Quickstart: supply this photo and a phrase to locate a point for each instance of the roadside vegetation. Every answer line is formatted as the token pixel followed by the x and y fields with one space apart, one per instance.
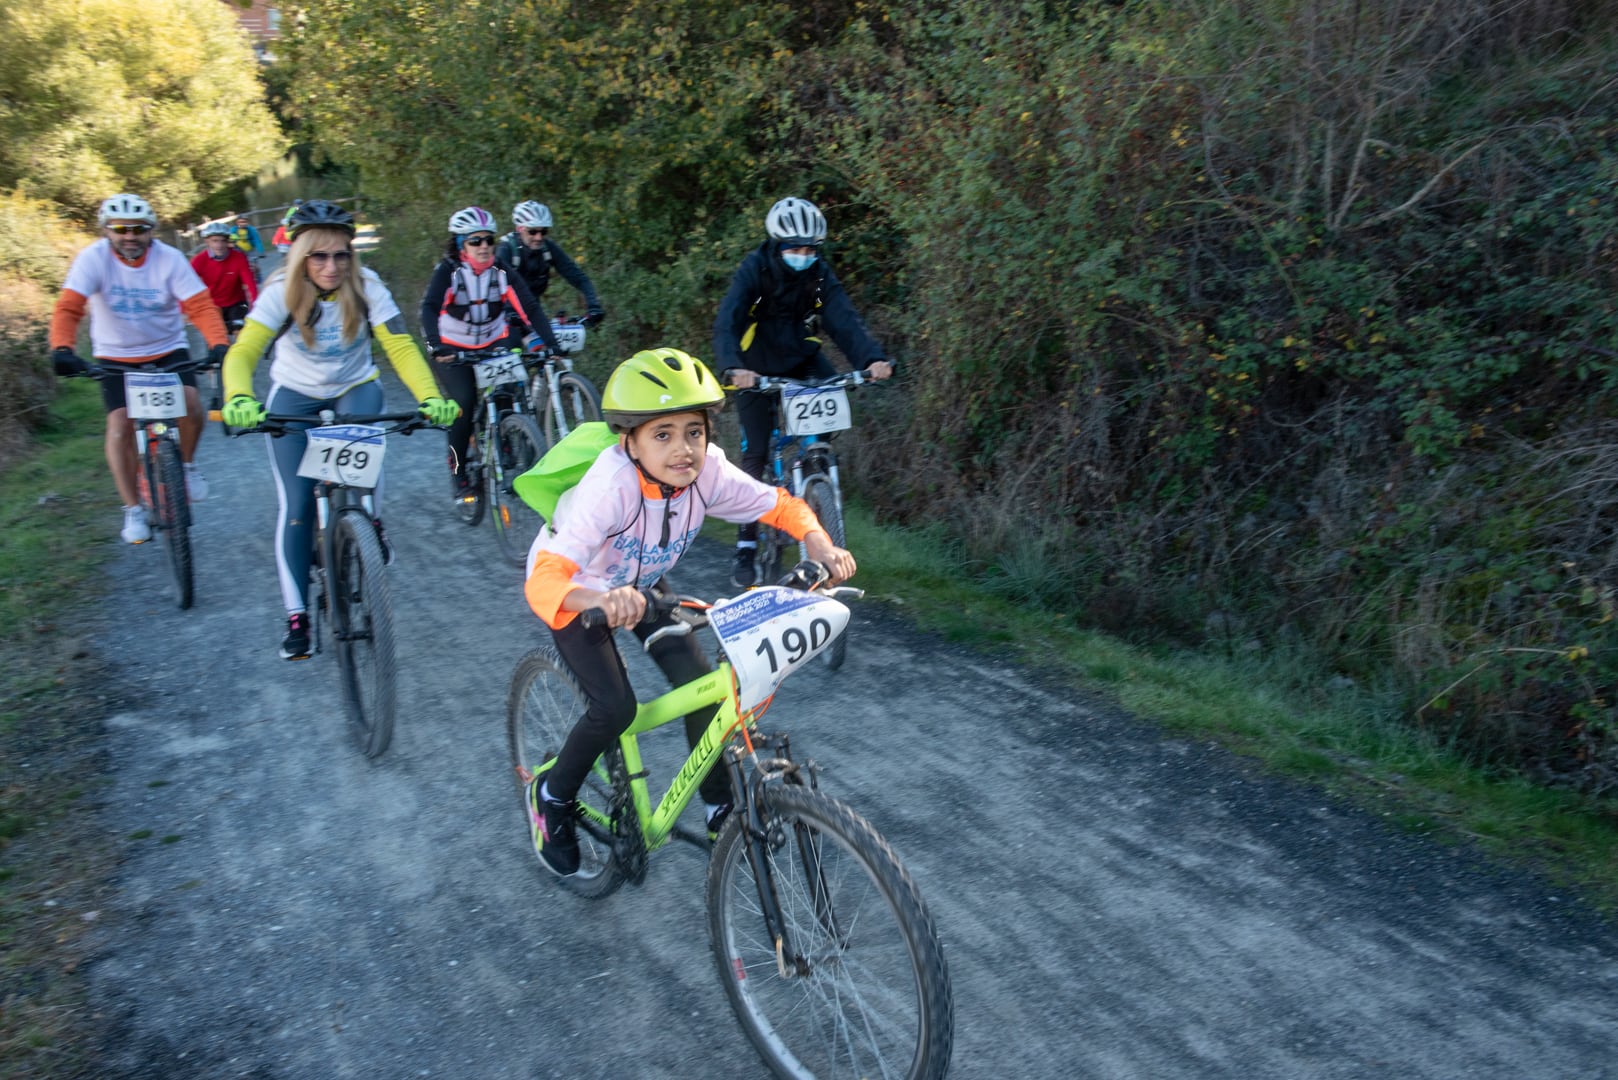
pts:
pixel 1284 327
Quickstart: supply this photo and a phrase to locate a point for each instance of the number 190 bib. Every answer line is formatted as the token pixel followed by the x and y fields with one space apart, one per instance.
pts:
pixel 769 633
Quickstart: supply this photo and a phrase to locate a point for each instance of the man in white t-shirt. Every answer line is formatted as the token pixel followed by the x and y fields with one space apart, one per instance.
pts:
pixel 138 292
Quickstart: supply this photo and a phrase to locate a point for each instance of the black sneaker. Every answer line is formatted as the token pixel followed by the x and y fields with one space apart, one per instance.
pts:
pixel 295 646
pixel 382 538
pixel 554 828
pixel 716 819
pixel 743 572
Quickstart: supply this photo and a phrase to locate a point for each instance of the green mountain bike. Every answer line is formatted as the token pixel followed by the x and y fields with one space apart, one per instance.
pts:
pixel 822 941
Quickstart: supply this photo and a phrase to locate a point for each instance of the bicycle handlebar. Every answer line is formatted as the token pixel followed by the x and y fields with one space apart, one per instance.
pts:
pixel 807 576
pixel 778 382
pixel 95 371
pixel 278 424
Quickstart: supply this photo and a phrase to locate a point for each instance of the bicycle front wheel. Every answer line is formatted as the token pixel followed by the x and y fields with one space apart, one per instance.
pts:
pixel 171 508
pixel 470 507
pixel 853 981
pixel 362 629
pixel 543 704
pixel 579 403
pixel 821 496
pixel 518 445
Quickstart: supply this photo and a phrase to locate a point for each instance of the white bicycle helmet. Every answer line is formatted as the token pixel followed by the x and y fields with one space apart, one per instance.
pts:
pixel 126 208
pixel 474 219
pixel 216 228
pixel 796 221
pixel 531 215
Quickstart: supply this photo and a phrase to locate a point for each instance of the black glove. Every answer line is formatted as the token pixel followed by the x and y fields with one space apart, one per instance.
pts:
pixel 65 361
pixel 593 318
pixel 440 349
pixel 216 355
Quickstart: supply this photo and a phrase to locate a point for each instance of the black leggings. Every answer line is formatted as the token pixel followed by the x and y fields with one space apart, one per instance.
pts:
pixel 593 657
pixel 756 414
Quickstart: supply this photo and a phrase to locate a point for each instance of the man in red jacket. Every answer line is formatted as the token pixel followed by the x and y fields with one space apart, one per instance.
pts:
pixel 227 273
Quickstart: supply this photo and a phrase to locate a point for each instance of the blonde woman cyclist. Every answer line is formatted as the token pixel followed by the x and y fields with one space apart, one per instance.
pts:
pixel 318 314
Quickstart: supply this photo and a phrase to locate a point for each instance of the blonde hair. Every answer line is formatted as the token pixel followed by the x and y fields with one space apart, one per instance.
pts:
pixel 302 296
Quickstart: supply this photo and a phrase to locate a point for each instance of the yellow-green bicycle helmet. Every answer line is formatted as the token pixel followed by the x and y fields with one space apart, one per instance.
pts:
pixel 657 382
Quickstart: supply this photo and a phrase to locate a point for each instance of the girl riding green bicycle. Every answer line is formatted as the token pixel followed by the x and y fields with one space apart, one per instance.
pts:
pixel 625 524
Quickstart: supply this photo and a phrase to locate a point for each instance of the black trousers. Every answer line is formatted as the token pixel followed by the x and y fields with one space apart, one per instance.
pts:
pixel 593 657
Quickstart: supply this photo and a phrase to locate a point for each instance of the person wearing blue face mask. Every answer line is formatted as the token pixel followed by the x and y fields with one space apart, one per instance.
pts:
pixel 769 323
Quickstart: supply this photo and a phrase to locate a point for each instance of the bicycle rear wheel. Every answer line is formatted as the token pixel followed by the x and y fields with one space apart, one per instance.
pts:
pixel 581 403
pixel 821 496
pixel 542 706
pixel 171 507
pixel 859 986
pixel 518 444
pixel 362 629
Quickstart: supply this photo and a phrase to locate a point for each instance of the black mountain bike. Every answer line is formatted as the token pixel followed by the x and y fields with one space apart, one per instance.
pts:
pixel 348 570
pixel 506 442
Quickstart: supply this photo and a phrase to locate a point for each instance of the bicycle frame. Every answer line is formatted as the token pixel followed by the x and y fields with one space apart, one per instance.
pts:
pixel 658 823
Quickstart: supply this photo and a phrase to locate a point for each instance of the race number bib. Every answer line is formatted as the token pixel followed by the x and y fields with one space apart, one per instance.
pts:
pixel 348 454
pixel 814 412
pixel 158 395
pixel 570 336
pixel 769 633
pixel 502 369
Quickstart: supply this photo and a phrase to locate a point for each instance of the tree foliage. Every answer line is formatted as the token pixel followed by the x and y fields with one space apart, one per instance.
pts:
pixel 160 98
pixel 1295 316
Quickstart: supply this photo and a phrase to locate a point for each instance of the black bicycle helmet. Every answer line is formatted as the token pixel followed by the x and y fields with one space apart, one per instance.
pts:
pixel 327 215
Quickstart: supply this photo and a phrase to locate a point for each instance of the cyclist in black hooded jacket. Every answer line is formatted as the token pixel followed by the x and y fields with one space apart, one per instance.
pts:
pixel 769 323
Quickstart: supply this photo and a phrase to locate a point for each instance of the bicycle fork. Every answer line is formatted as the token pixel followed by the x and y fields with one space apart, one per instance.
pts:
pixel 763 835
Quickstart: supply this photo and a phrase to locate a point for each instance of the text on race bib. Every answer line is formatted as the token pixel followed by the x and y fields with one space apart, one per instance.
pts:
pixel 157 395
pixel 810 411
pixel 349 454
pixel 504 368
pixel 570 336
pixel 769 633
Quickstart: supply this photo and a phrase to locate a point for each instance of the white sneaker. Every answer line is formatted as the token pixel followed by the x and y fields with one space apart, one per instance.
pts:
pixel 196 485
pixel 135 530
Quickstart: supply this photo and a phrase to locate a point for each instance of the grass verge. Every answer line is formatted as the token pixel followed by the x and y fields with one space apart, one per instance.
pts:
pixel 1344 738
pixel 55 869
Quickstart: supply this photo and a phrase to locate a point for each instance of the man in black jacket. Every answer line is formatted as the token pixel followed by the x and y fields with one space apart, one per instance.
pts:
pixel 530 251
pixel 783 293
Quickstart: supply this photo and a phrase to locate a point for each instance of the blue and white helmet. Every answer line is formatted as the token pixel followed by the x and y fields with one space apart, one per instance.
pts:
pixel 531 215
pixel 126 208
pixel 797 222
pixel 216 228
pixel 473 219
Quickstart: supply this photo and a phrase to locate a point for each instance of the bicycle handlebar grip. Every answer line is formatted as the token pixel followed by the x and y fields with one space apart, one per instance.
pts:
pixel 657 605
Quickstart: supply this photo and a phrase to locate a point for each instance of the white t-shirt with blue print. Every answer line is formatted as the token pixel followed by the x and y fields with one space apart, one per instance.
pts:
pixel 333 366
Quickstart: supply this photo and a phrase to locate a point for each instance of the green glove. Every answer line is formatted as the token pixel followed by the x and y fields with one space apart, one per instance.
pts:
pixel 242 411
pixel 441 411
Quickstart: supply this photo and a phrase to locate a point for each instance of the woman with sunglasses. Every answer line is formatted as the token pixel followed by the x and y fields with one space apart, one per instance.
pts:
pixel 318 313
pixel 475 304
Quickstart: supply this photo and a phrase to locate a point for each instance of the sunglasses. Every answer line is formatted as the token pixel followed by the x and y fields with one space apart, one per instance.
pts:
pixel 322 257
pixel 478 241
pixel 126 230
pixel 536 232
